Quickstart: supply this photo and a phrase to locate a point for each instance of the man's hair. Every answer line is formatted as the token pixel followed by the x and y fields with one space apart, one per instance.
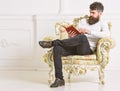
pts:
pixel 97 6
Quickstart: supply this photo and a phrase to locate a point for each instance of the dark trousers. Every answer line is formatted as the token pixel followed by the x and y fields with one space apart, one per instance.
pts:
pixel 77 45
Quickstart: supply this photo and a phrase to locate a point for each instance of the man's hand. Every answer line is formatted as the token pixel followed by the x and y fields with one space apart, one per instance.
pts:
pixel 71 34
pixel 81 31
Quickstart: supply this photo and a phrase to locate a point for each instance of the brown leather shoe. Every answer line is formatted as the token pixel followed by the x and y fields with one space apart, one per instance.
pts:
pixel 45 44
pixel 58 82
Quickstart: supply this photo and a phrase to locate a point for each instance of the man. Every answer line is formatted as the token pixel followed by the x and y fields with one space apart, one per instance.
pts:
pixel 91 30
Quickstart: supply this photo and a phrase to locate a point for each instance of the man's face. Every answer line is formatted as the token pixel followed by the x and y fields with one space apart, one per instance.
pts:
pixel 94 16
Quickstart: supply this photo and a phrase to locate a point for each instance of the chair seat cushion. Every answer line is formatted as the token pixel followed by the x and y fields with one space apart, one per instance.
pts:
pixel 80 62
pixel 77 59
pixel 73 59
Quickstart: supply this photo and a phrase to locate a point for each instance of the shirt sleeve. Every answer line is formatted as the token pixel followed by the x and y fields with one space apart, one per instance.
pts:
pixel 105 32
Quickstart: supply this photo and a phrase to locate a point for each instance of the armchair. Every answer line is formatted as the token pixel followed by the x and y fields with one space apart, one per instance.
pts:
pixel 78 64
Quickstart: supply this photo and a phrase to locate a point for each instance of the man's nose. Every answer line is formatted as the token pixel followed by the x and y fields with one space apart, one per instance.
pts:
pixel 91 14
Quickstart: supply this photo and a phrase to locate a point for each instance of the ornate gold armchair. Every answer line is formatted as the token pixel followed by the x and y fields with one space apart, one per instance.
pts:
pixel 78 64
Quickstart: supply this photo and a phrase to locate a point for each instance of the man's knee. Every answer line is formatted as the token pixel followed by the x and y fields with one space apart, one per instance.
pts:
pixel 82 37
pixel 56 42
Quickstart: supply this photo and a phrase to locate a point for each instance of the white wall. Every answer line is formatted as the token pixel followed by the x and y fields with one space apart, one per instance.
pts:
pixel 24 22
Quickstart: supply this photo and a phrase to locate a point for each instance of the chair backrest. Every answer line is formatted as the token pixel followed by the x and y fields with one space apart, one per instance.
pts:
pixel 110 25
pixel 75 23
pixel 76 20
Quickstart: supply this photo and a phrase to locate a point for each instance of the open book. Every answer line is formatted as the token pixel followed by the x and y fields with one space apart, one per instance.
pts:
pixel 72 31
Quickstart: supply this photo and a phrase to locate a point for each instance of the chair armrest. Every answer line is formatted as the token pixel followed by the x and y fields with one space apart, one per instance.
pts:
pixel 48 57
pixel 103 47
pixel 61 31
pixel 49 38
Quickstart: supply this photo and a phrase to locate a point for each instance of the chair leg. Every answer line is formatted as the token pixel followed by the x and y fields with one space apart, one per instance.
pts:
pixel 101 75
pixel 51 77
pixel 69 77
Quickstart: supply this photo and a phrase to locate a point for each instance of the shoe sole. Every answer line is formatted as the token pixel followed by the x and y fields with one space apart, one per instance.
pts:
pixel 58 85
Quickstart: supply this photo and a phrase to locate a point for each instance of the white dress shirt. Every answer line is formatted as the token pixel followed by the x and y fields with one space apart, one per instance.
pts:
pixel 97 31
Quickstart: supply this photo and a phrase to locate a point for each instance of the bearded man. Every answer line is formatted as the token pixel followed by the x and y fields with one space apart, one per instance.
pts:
pixel 91 29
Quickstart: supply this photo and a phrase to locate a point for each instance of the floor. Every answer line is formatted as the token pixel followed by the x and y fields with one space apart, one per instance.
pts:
pixel 38 81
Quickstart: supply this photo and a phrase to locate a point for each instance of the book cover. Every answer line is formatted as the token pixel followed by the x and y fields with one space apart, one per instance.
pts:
pixel 72 31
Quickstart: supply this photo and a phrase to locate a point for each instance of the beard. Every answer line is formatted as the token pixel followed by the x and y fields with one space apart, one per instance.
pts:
pixel 92 20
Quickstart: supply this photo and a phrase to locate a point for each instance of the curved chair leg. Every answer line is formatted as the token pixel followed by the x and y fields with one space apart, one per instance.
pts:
pixel 51 77
pixel 101 75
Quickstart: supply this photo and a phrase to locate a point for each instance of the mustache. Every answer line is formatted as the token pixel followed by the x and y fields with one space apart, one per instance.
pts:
pixel 93 20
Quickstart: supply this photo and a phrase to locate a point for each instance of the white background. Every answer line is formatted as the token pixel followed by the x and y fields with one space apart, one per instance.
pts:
pixel 24 22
